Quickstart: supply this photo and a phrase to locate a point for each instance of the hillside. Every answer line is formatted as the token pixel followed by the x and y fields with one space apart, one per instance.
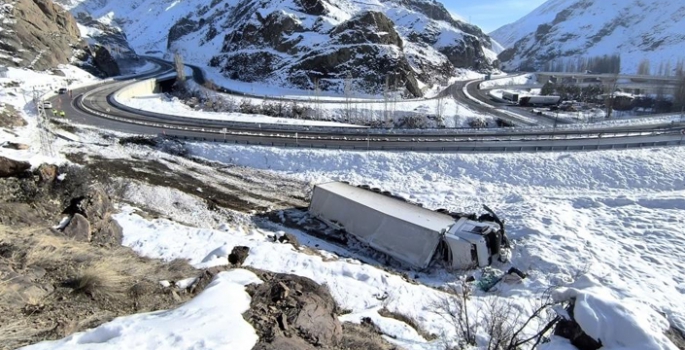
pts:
pixel 303 43
pixel 562 29
pixel 37 34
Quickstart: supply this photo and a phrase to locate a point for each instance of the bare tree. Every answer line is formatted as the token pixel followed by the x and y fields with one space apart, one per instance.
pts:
pixel 611 86
pixel 440 105
pixel 644 68
pixel 386 98
pixel 348 97
pixel 506 327
pixel 317 96
pixel 180 68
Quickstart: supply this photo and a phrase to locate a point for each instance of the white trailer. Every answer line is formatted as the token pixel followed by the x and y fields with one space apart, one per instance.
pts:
pixel 404 231
pixel 539 100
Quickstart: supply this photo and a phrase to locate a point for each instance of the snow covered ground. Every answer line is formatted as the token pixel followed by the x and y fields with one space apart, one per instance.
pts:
pixel 617 213
pixel 614 218
pixel 454 113
pixel 524 79
pixel 159 103
pixel 217 309
pixel 17 90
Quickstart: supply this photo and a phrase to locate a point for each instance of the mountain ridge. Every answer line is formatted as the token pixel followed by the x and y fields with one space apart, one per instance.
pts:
pixel 567 29
pixel 407 44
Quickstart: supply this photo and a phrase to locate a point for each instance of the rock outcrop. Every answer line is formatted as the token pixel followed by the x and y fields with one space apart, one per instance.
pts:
pixel 558 34
pixel 11 168
pixel 104 61
pixel 78 228
pixel 37 34
pixel 294 312
pixel 311 45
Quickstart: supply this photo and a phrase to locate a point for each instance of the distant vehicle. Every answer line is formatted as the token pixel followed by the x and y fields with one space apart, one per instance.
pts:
pixel 539 100
pixel 47 105
pixel 510 96
pixel 62 91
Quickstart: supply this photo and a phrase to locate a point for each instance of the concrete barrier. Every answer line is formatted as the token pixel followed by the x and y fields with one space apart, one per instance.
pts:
pixel 140 88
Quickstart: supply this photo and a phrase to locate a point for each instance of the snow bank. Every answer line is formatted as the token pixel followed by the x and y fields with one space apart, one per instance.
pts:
pixel 157 103
pixel 212 320
pixel 617 324
pixel 525 79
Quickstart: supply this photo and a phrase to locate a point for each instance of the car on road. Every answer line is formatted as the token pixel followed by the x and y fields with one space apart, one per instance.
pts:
pixel 62 91
pixel 47 105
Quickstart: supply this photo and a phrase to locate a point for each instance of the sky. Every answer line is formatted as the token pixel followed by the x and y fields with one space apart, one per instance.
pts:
pixel 491 14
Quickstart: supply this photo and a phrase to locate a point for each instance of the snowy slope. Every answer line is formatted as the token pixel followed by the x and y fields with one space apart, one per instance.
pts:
pixel 509 34
pixel 616 214
pixel 634 29
pixel 282 41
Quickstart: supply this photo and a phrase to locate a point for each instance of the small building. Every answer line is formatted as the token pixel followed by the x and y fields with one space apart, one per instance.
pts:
pixel 409 233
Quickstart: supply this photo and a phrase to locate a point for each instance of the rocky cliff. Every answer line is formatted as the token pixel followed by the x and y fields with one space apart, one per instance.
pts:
pixel 372 45
pixel 378 46
pixel 40 34
pixel 37 34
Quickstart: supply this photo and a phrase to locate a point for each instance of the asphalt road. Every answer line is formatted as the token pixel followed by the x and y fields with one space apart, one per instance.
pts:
pixel 95 109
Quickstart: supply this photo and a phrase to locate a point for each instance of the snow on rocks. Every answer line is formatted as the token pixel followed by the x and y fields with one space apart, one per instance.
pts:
pixel 212 320
pixel 616 324
pixel 351 283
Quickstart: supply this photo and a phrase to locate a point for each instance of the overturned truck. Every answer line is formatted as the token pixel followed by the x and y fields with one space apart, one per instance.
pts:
pixel 408 232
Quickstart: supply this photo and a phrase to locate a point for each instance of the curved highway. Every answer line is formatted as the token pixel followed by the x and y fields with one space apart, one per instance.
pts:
pixel 94 105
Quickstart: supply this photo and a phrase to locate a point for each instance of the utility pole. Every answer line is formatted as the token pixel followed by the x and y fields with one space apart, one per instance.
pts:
pixel 45 142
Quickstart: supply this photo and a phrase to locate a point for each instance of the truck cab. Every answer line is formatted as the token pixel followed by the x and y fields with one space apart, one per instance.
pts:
pixel 472 243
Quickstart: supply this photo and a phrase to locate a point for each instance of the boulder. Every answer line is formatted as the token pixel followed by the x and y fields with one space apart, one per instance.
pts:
pixel 289 238
pixel 289 306
pixel 107 232
pixel 16 146
pixel 238 255
pixel 47 172
pixel 78 228
pixel 12 168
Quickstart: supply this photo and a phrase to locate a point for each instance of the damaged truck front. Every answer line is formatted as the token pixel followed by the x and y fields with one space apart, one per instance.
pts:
pixel 407 232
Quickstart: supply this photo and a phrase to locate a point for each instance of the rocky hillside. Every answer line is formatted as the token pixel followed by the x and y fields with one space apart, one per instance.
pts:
pixel 563 29
pixel 303 43
pixel 36 33
pixel 40 34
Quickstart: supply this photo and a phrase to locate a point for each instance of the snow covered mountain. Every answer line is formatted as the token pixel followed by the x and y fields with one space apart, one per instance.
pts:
pixel 562 29
pixel 303 43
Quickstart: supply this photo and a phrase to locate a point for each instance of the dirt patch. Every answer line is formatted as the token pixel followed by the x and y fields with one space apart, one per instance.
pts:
pixel 365 335
pixel 230 192
pixel 10 117
pixel 409 321
pixel 51 284
pixel 63 125
pixel 294 312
